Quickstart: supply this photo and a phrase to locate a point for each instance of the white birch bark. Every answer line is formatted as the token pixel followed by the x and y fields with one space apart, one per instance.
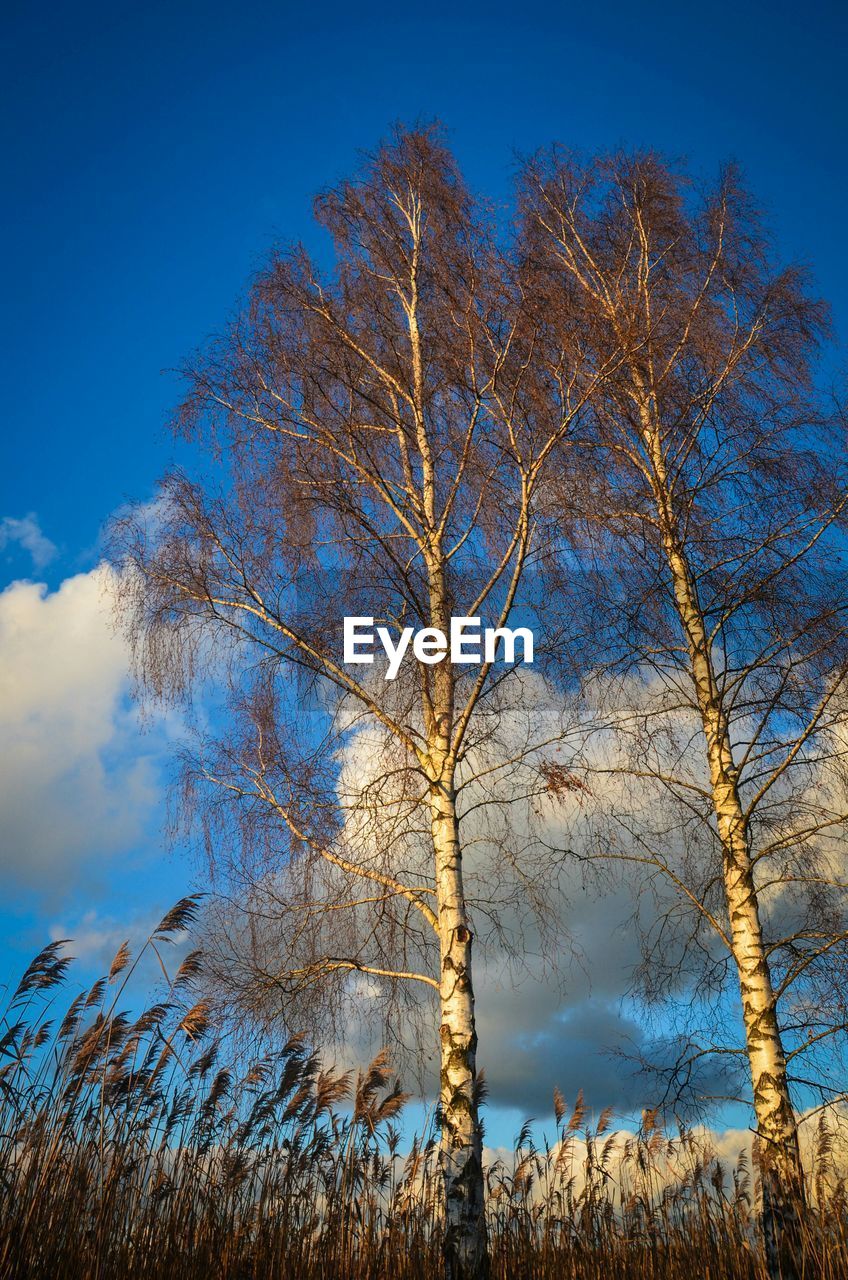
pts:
pixel 461 1150
pixel 779 1156
pixel 461 1140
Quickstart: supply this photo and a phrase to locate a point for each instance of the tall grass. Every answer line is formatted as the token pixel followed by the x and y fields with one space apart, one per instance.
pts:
pixel 128 1148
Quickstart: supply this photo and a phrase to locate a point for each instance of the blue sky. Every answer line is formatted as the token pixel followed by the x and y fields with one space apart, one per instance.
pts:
pixel 152 154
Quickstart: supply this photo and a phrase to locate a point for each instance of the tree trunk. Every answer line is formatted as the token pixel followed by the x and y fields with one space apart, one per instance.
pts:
pixel 780 1166
pixel 466 1255
pixel 779 1156
pixel 781 1171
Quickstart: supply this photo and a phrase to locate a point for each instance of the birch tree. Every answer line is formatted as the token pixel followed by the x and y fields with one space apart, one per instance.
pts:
pixel 376 438
pixel 718 520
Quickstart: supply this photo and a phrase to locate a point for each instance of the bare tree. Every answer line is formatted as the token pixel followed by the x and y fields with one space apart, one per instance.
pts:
pixel 719 484
pixel 377 440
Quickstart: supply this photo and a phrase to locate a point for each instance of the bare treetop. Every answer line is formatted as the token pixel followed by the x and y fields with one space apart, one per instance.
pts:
pixel 383 434
pixel 719 510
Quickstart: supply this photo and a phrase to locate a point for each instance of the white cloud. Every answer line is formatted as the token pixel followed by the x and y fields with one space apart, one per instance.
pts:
pixel 78 783
pixel 556 1007
pixel 94 938
pixel 552 1007
pixel 544 1018
pixel 635 1164
pixel 27 533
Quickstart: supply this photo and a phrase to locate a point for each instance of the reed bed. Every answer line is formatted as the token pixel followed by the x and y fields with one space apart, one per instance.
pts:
pixel 129 1147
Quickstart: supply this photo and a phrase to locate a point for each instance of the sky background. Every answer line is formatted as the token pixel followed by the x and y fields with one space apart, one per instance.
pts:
pixel 152 155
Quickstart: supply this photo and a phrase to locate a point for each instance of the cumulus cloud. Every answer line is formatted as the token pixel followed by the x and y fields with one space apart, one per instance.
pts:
pixel 94 938
pixel 558 1001
pixel 549 978
pixel 636 1165
pixel 78 783
pixel 26 532
pixel 552 983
